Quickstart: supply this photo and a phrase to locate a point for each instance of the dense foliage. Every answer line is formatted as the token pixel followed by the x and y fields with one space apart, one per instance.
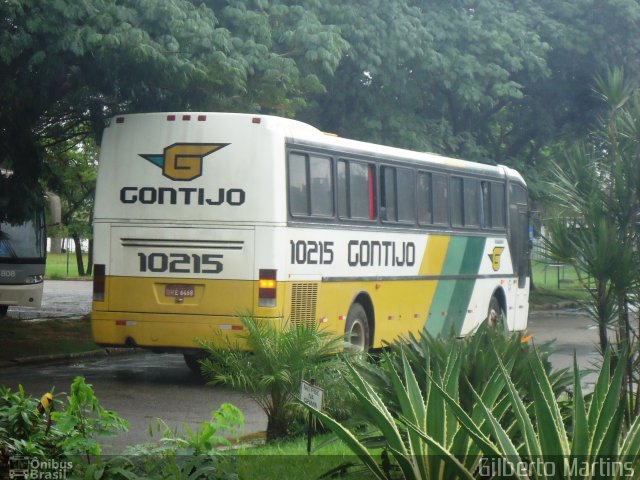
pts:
pixel 60 439
pixel 495 81
pixel 426 431
pixel 596 192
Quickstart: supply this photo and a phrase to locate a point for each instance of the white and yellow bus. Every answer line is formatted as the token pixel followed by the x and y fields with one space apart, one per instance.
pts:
pixel 200 217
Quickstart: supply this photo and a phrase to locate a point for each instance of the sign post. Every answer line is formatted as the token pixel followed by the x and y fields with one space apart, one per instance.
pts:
pixel 312 396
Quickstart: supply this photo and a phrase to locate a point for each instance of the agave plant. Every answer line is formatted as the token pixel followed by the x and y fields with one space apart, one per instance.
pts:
pixel 435 437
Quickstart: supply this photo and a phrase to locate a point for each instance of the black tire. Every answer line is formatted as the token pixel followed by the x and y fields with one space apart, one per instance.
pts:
pixel 3 310
pixel 495 319
pixel 193 362
pixel 357 328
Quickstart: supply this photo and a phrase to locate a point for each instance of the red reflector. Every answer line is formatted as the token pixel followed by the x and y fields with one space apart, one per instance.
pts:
pixel 186 117
pixel 171 118
pixel 202 118
pixel 120 120
pixel 256 120
pixel 236 327
pixel 121 323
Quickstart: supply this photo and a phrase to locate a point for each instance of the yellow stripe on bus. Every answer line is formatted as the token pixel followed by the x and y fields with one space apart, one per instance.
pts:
pixel 434 255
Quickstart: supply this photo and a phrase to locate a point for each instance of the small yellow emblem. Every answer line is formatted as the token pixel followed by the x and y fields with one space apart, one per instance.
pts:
pixel 495 258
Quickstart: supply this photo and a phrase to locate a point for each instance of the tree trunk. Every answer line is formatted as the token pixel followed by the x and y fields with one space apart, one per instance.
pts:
pixel 277 426
pixel 79 259
pixel 56 245
pixel 602 320
pixel 90 258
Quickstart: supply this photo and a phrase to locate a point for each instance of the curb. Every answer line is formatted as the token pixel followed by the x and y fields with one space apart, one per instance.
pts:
pixel 557 306
pixel 67 357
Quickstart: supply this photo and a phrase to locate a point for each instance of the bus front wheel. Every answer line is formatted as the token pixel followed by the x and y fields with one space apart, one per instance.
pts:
pixel 357 328
pixel 494 315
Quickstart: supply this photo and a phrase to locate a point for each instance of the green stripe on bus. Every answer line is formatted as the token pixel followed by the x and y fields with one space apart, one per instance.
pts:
pixel 452 297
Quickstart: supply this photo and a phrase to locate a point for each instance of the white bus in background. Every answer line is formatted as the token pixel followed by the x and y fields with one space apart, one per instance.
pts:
pixel 200 217
pixel 23 255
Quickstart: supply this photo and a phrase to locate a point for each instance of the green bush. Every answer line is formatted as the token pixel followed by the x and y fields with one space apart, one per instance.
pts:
pixel 64 435
pixel 53 430
pixel 270 363
pixel 428 433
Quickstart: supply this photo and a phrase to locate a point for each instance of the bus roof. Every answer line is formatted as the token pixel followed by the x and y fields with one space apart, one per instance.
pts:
pixel 298 132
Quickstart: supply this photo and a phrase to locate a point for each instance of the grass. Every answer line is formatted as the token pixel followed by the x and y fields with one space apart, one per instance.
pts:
pixel 28 338
pixel 555 285
pixel 290 459
pixel 61 266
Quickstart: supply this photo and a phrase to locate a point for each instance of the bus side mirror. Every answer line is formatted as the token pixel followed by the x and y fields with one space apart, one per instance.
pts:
pixel 55 210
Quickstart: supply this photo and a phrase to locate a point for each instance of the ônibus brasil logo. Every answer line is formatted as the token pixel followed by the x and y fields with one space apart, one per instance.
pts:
pixel 183 161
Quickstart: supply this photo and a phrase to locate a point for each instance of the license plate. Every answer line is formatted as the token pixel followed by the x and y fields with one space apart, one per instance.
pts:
pixel 179 291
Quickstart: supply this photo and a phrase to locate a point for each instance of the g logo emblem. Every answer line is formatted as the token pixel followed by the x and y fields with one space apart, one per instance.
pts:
pixel 183 161
pixel 495 258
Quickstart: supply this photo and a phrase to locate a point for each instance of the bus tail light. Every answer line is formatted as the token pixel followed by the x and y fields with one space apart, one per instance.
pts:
pixel 267 288
pixel 98 283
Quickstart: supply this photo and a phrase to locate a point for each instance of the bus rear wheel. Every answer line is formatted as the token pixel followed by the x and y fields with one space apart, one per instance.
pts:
pixel 494 315
pixel 192 360
pixel 357 328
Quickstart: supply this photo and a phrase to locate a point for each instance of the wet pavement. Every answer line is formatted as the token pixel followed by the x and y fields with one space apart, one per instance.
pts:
pixel 144 386
pixel 60 299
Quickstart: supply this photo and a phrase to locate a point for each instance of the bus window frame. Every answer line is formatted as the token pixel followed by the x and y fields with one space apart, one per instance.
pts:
pixel 383 195
pixel 437 174
pixel 307 167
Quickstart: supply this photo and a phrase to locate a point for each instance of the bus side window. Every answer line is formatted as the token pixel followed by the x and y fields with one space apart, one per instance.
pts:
pixel 485 207
pixel 310 185
pixel 356 190
pixel 298 200
pixel 457 202
pixel 388 210
pixel 343 199
pixel 321 194
pixel 440 199
pixel 471 204
pixel 406 191
pixel 425 201
pixel 498 218
pixel 397 195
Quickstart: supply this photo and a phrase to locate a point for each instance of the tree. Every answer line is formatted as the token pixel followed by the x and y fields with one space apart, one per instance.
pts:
pixel 496 81
pixel 270 362
pixel 68 66
pixel 598 192
pixel 71 172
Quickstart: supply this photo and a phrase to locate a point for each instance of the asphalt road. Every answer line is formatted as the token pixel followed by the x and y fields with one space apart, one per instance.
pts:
pixel 139 388
pixel 60 298
pixel 144 386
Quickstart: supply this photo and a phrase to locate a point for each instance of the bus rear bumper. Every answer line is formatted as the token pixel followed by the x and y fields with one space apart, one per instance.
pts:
pixel 21 295
pixel 165 332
